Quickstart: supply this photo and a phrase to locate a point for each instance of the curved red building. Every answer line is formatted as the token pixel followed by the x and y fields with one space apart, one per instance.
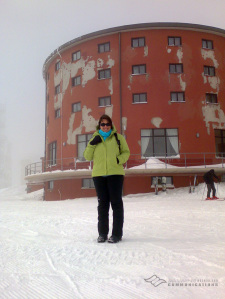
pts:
pixel 163 84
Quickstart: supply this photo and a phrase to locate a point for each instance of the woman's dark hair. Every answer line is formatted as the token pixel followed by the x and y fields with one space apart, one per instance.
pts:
pixel 104 116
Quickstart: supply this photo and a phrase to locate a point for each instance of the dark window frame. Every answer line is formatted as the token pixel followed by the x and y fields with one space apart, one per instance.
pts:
pixel 57 89
pixel 219 136
pixel 206 44
pixel 211 98
pixel 78 107
pixel 160 180
pixel 139 69
pixel 105 46
pixel 153 139
pixel 176 94
pixel 208 70
pixel 104 99
pixel 87 139
pixel 75 54
pixel 90 183
pixel 57 66
pixel 104 72
pixel 174 39
pixel 57 113
pixel 138 39
pixel 50 185
pixel 139 95
pixel 74 81
pixel 176 65
pixel 52 152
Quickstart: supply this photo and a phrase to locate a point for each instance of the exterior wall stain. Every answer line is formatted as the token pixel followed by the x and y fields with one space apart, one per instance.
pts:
pixel 209 54
pixel 156 121
pixel 213 114
pixel 180 55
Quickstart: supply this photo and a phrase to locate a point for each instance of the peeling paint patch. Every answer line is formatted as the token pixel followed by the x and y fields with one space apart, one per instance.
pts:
pixel 71 134
pixel 88 121
pixel 109 110
pixel 129 87
pixel 168 50
pixel 88 72
pixel 213 115
pixel 182 83
pixel 58 101
pixel 156 121
pixel 145 51
pixel 131 79
pixel 210 55
pixel 100 63
pixel 111 86
pixel 213 81
pixel 110 63
pixel 180 55
pixel 124 123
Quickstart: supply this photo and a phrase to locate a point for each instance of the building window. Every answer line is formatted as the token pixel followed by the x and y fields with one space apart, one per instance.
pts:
pixel 140 98
pixel 88 184
pixel 104 101
pixel 211 98
pixel 76 56
pixel 82 142
pixel 177 97
pixel 76 81
pixel 138 42
pixel 76 107
pixel 174 41
pixel 104 47
pixel 50 185
pixel 52 148
pixel 159 142
pixel 57 113
pixel 57 89
pixel 57 66
pixel 207 44
pixel 220 142
pixel 104 74
pixel 176 68
pixel 139 69
pixel 159 180
pixel 209 70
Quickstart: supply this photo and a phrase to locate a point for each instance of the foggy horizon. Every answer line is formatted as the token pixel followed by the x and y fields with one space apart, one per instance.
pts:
pixel 31 30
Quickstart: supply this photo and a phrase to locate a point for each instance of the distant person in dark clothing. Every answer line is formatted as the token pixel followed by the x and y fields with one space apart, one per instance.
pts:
pixel 208 179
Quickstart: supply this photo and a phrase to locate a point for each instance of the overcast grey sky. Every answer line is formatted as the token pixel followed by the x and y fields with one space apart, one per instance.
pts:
pixel 31 29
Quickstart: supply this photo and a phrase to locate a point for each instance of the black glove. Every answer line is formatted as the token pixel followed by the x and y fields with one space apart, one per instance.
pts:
pixel 96 140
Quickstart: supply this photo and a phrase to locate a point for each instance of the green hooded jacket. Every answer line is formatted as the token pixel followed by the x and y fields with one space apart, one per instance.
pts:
pixel 104 154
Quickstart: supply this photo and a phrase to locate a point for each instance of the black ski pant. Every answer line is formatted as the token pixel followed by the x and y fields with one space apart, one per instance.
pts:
pixel 109 190
pixel 211 187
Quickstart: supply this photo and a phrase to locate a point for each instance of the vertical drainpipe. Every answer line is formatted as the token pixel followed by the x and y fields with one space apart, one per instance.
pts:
pixel 46 102
pixel 120 84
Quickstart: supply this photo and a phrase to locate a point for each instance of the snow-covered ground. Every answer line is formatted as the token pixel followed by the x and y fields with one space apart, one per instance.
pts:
pixel 49 249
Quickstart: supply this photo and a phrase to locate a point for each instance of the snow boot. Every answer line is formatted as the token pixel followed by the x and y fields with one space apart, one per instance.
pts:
pixel 214 197
pixel 208 198
pixel 102 238
pixel 114 239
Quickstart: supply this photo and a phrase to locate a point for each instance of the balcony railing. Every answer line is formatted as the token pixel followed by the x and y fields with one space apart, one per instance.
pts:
pixel 181 160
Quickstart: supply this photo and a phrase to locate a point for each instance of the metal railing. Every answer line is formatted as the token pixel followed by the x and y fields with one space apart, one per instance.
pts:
pixel 135 160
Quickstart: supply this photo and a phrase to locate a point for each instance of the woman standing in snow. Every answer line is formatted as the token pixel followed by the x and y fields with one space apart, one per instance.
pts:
pixel 109 151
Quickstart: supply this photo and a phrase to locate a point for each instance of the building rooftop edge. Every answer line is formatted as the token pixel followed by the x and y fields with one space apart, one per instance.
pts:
pixel 156 25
